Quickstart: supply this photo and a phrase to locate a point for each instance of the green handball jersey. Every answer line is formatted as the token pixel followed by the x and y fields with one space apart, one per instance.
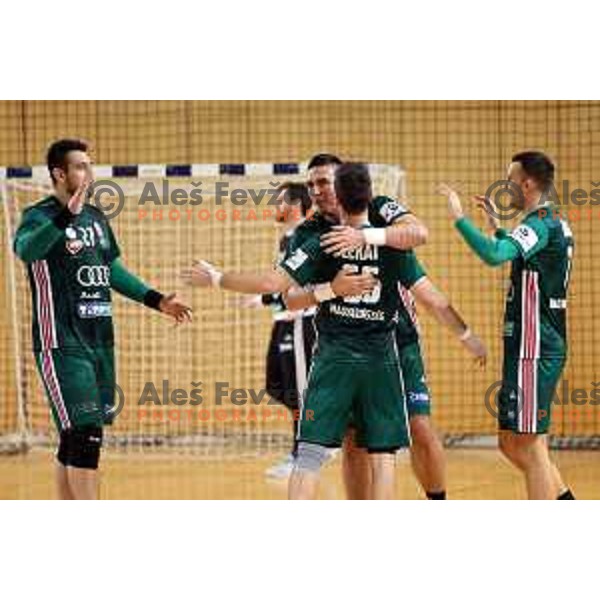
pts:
pixel 70 283
pixel 355 377
pixel 361 325
pixel 535 323
pixel 383 211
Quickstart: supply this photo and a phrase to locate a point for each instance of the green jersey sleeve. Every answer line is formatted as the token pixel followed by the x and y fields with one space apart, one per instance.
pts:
pixel 530 237
pixel 126 283
pixel 303 264
pixel 385 211
pixel 37 234
pixel 407 268
pixel 113 249
pixel 493 251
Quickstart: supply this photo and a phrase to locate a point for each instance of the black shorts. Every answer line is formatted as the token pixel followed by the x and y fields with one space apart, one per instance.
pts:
pixel 289 358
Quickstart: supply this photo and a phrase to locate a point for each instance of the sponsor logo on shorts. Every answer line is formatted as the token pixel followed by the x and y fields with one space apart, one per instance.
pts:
pixel 418 397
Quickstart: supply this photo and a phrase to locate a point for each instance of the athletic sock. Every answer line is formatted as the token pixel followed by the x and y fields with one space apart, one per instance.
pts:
pixel 436 495
pixel 566 495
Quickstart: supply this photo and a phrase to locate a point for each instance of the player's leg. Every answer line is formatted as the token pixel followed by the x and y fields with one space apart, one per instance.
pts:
pixel 529 453
pixel 524 418
pixel 381 418
pixel 61 477
pixel 84 483
pixel 279 376
pixel 356 468
pixel 306 475
pixel 383 474
pixel 304 344
pixel 426 452
pixel 324 415
pixel 427 457
pixel 69 378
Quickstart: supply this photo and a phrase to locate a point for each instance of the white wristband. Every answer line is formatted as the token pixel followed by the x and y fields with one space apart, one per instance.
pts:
pixel 375 236
pixel 465 335
pixel 216 277
pixel 323 292
pixel 215 274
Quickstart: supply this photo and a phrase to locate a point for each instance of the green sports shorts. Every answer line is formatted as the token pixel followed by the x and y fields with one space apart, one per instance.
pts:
pixel 367 392
pixel 418 397
pixel 80 385
pixel 526 394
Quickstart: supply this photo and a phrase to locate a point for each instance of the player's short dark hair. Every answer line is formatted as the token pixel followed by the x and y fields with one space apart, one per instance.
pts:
pixel 323 160
pixel 297 193
pixel 353 187
pixel 56 158
pixel 537 166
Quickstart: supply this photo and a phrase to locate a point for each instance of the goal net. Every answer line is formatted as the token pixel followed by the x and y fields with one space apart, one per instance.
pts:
pixel 200 387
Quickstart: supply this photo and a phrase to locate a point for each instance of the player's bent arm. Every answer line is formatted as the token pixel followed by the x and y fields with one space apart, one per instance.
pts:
pixel 406 233
pixel 345 283
pixel 438 305
pixel 38 234
pixel 492 251
pixel 127 284
pixel 297 298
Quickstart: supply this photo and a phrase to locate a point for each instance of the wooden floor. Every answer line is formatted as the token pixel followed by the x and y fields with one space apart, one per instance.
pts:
pixel 473 474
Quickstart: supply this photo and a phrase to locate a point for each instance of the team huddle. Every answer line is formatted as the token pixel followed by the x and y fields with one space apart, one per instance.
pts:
pixel 345 347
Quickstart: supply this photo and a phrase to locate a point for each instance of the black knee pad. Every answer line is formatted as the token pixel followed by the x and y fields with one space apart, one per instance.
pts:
pixel 80 447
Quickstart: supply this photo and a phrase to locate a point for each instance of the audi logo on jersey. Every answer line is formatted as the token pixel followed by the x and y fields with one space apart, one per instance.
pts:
pixel 94 276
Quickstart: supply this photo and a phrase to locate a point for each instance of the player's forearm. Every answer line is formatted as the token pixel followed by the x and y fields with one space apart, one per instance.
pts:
pixel 447 316
pixel 129 285
pixel 493 252
pixel 262 283
pixel 299 299
pixel 438 305
pixel 35 242
pixel 406 235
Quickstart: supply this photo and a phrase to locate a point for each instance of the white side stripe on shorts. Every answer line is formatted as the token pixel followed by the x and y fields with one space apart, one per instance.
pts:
pixel 529 352
pixel 47 332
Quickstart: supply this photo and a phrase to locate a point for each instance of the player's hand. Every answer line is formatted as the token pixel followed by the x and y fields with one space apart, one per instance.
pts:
pixel 172 306
pixel 454 203
pixel 476 347
pixel 77 200
pixel 485 204
pixel 202 274
pixel 346 283
pixel 342 239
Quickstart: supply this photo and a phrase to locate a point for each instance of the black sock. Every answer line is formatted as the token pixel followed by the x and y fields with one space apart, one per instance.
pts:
pixel 436 495
pixel 295 445
pixel 566 495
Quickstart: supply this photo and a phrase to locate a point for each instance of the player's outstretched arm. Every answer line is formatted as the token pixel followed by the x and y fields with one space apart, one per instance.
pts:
pixel 203 274
pixel 127 284
pixel 492 251
pixel 439 306
pixel 344 284
pixel 405 233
